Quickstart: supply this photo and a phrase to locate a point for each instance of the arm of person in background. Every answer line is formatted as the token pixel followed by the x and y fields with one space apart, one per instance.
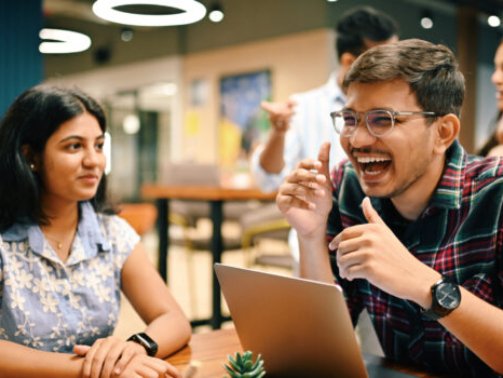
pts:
pixel 280 114
pixel 283 149
pixel 166 325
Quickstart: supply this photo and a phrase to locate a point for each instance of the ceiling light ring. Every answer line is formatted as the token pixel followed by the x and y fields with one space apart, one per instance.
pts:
pixel 193 11
pixel 67 41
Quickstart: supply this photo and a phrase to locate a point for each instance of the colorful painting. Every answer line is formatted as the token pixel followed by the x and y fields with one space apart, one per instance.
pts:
pixel 243 123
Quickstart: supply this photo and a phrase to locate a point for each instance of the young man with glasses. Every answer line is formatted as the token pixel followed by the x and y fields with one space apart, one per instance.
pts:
pixel 300 125
pixel 414 225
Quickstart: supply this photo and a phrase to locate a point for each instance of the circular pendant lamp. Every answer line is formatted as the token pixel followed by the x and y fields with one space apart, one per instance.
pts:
pixel 58 41
pixel 192 11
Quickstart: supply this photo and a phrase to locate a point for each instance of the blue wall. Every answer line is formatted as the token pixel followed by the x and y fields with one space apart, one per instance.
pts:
pixel 21 64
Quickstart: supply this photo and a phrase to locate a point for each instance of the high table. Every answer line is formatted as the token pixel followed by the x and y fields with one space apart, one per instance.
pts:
pixel 211 349
pixel 216 196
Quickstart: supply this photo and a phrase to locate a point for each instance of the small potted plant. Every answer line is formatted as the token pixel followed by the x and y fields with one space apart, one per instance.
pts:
pixel 242 366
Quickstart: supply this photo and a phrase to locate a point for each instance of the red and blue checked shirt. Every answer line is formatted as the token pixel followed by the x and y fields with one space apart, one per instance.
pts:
pixel 459 234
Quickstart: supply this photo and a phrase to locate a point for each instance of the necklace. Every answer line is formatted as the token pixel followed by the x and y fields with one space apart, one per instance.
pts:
pixel 59 244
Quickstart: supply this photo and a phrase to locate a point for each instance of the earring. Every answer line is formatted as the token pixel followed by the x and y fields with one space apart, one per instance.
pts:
pixel 32 167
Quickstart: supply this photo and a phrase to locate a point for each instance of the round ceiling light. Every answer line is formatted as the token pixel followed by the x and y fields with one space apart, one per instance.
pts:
pixel 216 14
pixel 192 11
pixel 63 41
pixel 494 21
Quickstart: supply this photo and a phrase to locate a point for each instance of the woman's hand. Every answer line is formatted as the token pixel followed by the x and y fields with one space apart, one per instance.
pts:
pixel 108 357
pixel 151 367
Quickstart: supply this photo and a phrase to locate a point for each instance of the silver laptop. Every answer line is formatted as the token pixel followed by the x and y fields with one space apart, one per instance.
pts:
pixel 302 328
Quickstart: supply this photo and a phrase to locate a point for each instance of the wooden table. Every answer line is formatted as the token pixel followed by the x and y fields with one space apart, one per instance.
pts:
pixel 216 196
pixel 211 349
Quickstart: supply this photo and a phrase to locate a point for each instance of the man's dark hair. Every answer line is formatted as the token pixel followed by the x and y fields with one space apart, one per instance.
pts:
pixel 26 126
pixel 362 24
pixel 431 71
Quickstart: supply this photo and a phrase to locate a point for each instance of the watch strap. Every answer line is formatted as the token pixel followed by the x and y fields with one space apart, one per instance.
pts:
pixel 431 314
pixel 145 341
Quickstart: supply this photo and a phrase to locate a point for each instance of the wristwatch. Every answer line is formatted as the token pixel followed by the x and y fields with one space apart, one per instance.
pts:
pixel 446 297
pixel 145 341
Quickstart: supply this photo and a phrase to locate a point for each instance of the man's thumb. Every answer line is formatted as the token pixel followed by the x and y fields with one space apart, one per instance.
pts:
pixel 370 214
pixel 324 157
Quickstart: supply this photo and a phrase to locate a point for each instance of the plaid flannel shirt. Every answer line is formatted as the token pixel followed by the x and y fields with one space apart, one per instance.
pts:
pixel 459 234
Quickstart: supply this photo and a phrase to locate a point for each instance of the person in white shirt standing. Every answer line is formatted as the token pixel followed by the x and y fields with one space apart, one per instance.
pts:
pixel 300 125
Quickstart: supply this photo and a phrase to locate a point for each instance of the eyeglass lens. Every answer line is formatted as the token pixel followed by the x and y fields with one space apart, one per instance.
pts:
pixel 379 122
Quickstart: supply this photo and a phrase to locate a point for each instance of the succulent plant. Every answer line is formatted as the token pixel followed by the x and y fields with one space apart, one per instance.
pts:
pixel 242 366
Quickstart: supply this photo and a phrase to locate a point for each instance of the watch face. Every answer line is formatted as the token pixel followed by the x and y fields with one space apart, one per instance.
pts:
pixel 448 295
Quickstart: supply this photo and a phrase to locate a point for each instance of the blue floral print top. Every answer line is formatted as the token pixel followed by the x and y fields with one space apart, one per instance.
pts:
pixel 50 305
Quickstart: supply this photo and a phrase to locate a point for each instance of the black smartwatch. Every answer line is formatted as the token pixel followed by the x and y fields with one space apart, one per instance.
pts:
pixel 145 341
pixel 446 297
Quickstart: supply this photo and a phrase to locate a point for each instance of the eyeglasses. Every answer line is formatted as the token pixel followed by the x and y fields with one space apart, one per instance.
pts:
pixel 380 122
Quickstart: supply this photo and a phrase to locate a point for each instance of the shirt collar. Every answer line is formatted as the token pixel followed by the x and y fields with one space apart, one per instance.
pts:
pixel 90 232
pixel 450 188
pixel 88 241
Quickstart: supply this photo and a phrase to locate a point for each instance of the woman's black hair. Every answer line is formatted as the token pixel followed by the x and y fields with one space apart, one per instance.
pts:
pixel 492 141
pixel 25 128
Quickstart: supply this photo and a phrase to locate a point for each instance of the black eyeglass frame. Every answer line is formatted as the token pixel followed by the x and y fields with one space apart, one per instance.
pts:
pixel 357 115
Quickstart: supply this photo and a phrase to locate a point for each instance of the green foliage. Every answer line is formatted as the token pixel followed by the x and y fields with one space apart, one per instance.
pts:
pixel 242 366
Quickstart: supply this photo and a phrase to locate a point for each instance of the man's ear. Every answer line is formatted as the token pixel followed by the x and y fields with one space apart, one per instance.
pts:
pixel 447 130
pixel 347 59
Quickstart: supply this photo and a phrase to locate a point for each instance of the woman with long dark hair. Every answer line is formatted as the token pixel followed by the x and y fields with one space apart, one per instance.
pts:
pixel 65 257
pixel 494 145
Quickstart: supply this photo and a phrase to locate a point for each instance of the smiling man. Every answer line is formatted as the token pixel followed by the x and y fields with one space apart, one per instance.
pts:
pixel 414 224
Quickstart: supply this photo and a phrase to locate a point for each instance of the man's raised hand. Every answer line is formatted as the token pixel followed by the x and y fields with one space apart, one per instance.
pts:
pixel 280 113
pixel 305 198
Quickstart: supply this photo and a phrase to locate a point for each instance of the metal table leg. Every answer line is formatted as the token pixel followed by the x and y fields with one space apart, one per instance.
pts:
pixel 163 232
pixel 216 250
